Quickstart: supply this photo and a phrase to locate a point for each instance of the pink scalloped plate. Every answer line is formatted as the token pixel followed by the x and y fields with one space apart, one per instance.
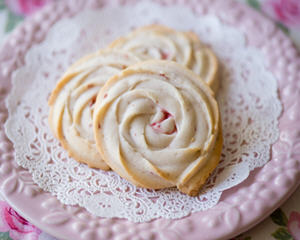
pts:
pixel 239 208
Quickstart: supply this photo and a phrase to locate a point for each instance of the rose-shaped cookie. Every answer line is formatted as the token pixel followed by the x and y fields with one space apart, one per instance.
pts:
pixel 72 103
pixel 162 43
pixel 157 125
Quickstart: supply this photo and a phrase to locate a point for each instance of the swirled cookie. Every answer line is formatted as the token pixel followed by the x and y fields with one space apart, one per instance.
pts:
pixel 72 103
pixel 160 42
pixel 157 125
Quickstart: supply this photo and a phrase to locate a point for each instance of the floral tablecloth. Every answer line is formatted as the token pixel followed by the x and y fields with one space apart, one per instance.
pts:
pixel 283 224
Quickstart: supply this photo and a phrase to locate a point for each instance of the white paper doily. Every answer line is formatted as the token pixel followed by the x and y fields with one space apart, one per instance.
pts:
pixel 248 101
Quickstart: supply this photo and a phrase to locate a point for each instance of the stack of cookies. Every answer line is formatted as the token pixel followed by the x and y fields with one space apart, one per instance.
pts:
pixel 144 107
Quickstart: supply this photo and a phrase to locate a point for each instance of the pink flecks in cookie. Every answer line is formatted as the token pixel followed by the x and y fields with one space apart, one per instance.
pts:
pixel 164 122
pixel 164 55
pixel 93 100
pixel 164 76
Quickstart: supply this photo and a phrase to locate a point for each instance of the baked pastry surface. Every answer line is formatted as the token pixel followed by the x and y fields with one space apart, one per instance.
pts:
pixel 163 43
pixel 157 125
pixel 72 103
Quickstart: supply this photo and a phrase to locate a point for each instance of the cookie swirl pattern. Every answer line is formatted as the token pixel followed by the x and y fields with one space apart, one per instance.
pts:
pixel 72 103
pixel 157 125
pixel 162 43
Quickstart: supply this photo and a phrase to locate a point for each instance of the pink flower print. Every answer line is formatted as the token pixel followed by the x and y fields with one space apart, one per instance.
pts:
pixel 17 226
pixel 294 225
pixel 25 7
pixel 285 11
